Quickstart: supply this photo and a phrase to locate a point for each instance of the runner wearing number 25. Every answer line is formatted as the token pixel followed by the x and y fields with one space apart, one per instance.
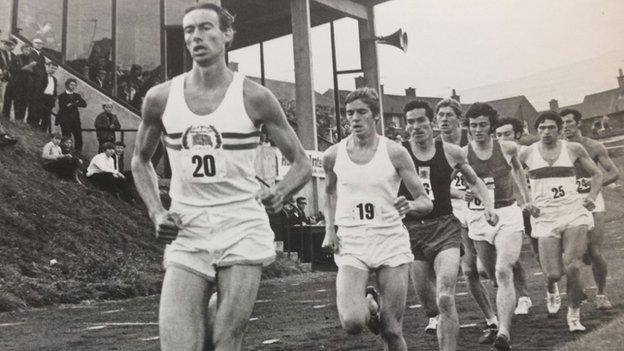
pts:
pixel 218 230
pixel 363 174
pixel 436 237
pixel 561 228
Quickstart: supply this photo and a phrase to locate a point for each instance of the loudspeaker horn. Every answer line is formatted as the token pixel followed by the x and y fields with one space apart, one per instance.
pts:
pixel 397 39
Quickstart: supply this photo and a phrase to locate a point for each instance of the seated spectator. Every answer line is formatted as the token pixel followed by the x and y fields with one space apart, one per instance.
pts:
pixel 298 216
pixel 106 123
pixel 65 166
pixel 118 158
pixel 5 138
pixel 102 172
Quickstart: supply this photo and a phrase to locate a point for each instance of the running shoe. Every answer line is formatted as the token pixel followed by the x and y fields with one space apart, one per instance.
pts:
pixel 489 334
pixel 374 322
pixel 501 342
pixel 553 302
pixel 603 303
pixel 524 303
pixel 432 327
pixel 574 320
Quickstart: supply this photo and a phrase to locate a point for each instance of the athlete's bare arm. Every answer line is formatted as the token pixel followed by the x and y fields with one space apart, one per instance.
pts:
pixel 404 165
pixel 147 139
pixel 456 158
pixel 263 108
pixel 519 175
pixel 329 160
pixel 579 154
pixel 456 193
pixel 599 153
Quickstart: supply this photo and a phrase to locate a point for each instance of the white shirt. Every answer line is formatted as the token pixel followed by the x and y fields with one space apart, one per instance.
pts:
pixel 49 90
pixel 51 151
pixel 101 163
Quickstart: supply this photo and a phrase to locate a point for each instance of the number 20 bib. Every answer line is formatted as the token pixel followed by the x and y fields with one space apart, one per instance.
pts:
pixel 203 165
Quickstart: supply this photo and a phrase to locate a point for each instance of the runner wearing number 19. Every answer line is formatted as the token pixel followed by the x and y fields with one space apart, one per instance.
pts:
pixel 436 237
pixel 363 174
pixel 561 227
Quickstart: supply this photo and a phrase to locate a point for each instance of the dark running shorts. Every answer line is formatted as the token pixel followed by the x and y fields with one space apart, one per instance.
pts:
pixel 429 238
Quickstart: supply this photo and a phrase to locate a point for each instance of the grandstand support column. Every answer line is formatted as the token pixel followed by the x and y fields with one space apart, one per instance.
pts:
pixel 6 27
pixel 369 58
pixel 305 108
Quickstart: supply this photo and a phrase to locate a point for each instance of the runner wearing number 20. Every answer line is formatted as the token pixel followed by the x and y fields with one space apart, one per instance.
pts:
pixel 436 237
pixel 363 174
pixel 562 225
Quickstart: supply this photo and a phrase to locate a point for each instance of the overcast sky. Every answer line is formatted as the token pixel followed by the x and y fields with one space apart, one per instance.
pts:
pixel 485 49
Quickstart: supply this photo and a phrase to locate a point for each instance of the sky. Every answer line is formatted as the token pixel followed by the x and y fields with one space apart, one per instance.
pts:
pixel 484 49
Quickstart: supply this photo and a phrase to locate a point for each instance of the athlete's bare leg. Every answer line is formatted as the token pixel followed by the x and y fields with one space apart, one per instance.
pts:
pixel 551 260
pixel 520 282
pixel 446 266
pixel 393 283
pixel 350 298
pixel 599 264
pixel 424 282
pixel 574 243
pixel 238 287
pixel 469 267
pixel 183 303
pixel 499 260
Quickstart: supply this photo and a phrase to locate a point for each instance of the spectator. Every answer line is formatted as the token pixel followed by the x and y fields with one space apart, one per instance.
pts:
pixel 5 138
pixel 21 91
pixel 49 97
pixel 36 84
pixel 65 166
pixel 106 123
pixel 68 116
pixel 298 215
pixel 102 172
pixel 119 165
pixel 101 80
pixel 9 64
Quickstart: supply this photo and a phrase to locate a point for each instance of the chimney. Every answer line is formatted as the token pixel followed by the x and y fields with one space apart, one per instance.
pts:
pixel 621 80
pixel 410 92
pixel 233 66
pixel 359 82
pixel 455 96
pixel 554 105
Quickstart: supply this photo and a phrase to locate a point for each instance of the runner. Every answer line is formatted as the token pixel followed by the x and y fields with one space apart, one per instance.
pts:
pixel 511 129
pixel 436 237
pixel 564 219
pixel 598 153
pixel 448 116
pixel 363 174
pixel 498 247
pixel 219 235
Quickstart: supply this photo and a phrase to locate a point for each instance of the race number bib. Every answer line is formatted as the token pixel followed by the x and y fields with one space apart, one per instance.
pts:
pixel 204 165
pixel 458 182
pixel 583 185
pixel 424 173
pixel 476 203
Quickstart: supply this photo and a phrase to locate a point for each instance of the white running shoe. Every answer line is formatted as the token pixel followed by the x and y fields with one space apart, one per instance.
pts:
pixel 574 320
pixel 553 302
pixel 524 303
pixel 432 327
pixel 603 303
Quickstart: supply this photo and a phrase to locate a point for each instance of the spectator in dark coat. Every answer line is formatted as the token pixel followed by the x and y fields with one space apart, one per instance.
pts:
pixel 22 79
pixel 106 123
pixel 68 117
pixel 49 97
pixel 36 84
pixel 8 68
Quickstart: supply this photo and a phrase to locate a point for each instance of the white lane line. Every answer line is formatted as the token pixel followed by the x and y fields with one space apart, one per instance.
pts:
pixel 461 294
pixel 253 319
pixel 538 273
pixel 97 327
pixel 112 311
pixel 471 325
pixel 270 341
pixel 414 306
pixel 11 324
pixel 319 306
pixel 262 301
pixel 121 324
pixel 150 339
pixel 321 290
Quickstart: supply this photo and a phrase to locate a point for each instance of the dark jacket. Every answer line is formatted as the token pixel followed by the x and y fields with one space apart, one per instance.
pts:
pixel 8 64
pixel 68 114
pixel 105 126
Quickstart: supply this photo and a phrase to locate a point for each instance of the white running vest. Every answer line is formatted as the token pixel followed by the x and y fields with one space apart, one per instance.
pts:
pixel 552 186
pixel 366 193
pixel 212 156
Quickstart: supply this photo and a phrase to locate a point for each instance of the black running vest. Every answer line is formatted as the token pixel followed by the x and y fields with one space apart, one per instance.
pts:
pixel 498 168
pixel 439 174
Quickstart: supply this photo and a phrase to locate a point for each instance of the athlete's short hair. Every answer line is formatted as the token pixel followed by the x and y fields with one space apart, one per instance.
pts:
pixel 226 19
pixel 570 111
pixel 414 104
pixel 515 123
pixel 551 115
pixel 482 109
pixel 449 102
pixel 368 96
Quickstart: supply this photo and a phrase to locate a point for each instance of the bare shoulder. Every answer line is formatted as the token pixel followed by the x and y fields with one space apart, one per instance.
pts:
pixel 508 147
pixel 454 151
pixel 593 147
pixel 260 103
pixel 156 100
pixel 576 149
pixel 329 157
pixel 397 152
